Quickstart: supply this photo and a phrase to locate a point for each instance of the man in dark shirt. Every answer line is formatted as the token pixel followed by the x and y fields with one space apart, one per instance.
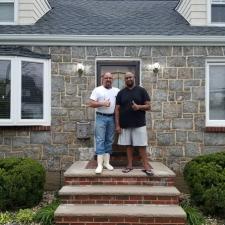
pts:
pixel 131 104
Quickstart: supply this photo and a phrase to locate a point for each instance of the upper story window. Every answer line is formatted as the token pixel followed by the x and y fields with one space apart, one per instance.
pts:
pixel 215 93
pixel 25 91
pixel 217 11
pixel 8 11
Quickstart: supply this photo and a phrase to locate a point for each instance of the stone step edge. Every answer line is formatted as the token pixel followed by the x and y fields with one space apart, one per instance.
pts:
pixel 77 169
pixel 118 190
pixel 105 210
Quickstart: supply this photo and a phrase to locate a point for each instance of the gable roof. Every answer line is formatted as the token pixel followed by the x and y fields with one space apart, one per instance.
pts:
pixel 140 18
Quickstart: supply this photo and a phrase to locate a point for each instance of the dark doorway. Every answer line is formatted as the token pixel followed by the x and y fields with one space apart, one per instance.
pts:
pixel 118 69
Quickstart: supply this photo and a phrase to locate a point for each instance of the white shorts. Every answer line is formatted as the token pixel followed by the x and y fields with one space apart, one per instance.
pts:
pixel 133 136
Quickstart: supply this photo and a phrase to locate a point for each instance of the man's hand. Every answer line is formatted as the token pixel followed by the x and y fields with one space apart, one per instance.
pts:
pixel 118 129
pixel 134 106
pixel 106 103
pixel 144 107
pixel 96 104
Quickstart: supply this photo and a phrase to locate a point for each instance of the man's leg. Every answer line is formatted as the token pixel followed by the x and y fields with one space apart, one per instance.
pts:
pixel 109 138
pixel 144 157
pixel 109 134
pixel 125 140
pixel 100 127
pixel 129 166
pixel 129 157
pixel 140 140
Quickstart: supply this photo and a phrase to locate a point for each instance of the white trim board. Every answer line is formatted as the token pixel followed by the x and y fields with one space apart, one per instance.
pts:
pixel 112 40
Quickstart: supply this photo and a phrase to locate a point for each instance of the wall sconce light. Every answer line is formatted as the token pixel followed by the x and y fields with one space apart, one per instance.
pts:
pixel 155 67
pixel 80 68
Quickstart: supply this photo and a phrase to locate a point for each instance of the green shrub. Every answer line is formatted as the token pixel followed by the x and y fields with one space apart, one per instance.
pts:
pixel 25 216
pixel 5 218
pixel 194 215
pixel 21 183
pixel 205 176
pixel 45 215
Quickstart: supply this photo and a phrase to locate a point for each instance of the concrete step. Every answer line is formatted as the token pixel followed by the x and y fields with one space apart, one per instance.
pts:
pixel 78 174
pixel 117 163
pixel 119 158
pixel 119 194
pixel 67 214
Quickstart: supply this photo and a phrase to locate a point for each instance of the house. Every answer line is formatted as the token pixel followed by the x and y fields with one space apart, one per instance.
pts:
pixel 43 112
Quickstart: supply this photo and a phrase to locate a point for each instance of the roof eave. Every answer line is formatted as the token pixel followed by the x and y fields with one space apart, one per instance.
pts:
pixel 112 40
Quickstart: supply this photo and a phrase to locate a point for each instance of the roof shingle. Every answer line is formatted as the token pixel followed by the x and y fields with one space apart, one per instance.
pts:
pixel 112 17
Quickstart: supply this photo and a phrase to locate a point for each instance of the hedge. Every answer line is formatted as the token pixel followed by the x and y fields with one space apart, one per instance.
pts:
pixel 21 183
pixel 205 176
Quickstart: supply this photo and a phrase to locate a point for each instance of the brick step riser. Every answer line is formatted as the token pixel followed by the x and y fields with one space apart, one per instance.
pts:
pixel 151 181
pixel 88 220
pixel 120 199
pixel 123 157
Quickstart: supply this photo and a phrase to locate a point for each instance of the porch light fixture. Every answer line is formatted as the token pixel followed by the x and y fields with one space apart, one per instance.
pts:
pixel 156 67
pixel 80 68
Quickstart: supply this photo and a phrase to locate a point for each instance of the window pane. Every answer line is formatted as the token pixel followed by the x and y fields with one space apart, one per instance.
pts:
pixel 6 12
pixel 32 90
pixel 218 1
pixel 218 13
pixel 217 92
pixel 5 86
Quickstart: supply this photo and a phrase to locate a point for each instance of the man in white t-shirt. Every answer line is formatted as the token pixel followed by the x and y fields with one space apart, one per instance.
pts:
pixel 103 98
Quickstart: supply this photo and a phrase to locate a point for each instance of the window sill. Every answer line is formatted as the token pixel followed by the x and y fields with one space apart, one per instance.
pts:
pixel 26 128
pixel 215 129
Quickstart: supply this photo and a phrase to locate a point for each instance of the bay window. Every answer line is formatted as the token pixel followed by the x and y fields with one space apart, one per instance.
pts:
pixel 25 91
pixel 215 93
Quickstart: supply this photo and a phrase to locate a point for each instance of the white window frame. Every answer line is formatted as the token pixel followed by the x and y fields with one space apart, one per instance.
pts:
pixel 209 15
pixel 212 123
pixel 15 12
pixel 15 95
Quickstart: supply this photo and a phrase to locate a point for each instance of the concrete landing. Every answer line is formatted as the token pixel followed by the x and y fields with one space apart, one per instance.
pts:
pixel 78 169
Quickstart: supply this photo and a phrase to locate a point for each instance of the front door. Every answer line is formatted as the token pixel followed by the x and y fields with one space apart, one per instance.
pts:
pixel 118 69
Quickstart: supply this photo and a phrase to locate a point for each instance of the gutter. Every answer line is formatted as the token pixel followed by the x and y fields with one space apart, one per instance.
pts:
pixel 112 40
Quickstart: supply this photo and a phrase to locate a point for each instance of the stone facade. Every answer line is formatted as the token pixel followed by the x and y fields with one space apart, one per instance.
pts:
pixel 176 123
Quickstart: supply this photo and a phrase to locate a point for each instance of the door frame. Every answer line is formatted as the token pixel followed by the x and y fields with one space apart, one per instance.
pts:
pixel 118 62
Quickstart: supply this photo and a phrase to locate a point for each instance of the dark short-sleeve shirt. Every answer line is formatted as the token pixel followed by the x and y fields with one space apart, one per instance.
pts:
pixel 128 117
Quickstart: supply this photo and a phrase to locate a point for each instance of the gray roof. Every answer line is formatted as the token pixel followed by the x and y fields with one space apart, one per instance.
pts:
pixel 112 17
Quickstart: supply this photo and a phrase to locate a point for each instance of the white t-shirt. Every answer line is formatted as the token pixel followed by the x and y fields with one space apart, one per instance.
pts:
pixel 100 94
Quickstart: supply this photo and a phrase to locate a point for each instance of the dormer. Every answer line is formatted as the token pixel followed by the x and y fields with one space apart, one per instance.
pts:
pixel 22 12
pixel 203 12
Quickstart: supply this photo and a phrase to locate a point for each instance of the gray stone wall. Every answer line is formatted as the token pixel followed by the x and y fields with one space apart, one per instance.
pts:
pixel 175 125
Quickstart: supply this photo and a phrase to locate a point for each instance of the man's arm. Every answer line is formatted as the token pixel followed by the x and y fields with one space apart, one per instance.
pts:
pixel 145 107
pixel 96 104
pixel 117 121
